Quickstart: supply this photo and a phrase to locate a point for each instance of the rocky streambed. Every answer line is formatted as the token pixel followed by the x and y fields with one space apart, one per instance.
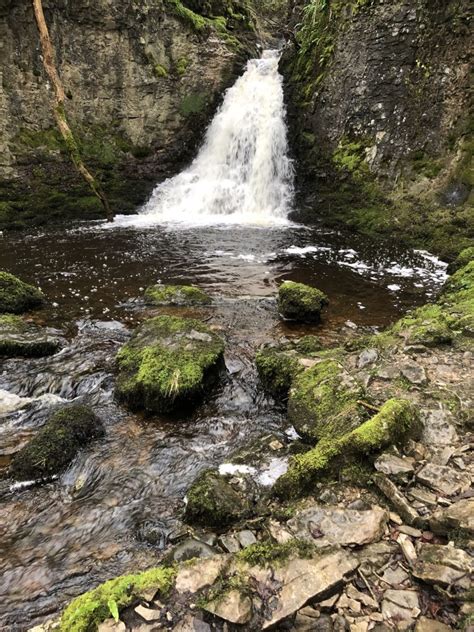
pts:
pixel 347 510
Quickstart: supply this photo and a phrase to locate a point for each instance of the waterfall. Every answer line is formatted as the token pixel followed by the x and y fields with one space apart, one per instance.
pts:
pixel 242 174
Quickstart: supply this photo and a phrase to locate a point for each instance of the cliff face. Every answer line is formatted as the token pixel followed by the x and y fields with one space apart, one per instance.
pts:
pixel 142 80
pixel 378 110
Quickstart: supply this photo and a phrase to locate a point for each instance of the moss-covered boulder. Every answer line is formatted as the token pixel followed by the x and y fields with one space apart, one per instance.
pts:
pixel 16 296
pixel 277 367
pixel 464 257
pixel 87 612
pixel 325 402
pixel 57 443
pixel 214 501
pixel 21 339
pixel 169 363
pixel 397 420
pixel 176 295
pixel 300 302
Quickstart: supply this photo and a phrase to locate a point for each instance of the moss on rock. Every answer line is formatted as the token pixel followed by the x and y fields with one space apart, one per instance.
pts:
pixel 324 402
pixel 300 302
pixel 16 296
pixel 212 501
pixel 57 443
pixel 397 420
pixel 177 295
pixel 277 367
pixel 85 613
pixel 168 363
pixel 464 257
pixel 19 338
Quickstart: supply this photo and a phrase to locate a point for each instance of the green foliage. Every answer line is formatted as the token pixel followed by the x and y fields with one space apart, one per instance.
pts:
pixel 16 296
pixel 85 613
pixel 350 156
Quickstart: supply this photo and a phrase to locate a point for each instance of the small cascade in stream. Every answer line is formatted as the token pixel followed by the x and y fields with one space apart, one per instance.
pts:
pixel 242 174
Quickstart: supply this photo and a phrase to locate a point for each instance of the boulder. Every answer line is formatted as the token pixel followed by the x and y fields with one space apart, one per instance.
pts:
pixel 300 302
pixel 19 338
pixel 16 296
pixel 458 517
pixel 233 606
pixel 196 575
pixel 393 465
pixel 176 296
pixel 169 363
pixel 216 500
pixel 52 449
pixel 277 367
pixel 444 479
pixel 324 526
pixel 444 565
pixel 191 549
pixel 324 402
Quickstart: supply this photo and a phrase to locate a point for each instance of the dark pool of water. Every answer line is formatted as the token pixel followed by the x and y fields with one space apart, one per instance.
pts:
pixel 59 539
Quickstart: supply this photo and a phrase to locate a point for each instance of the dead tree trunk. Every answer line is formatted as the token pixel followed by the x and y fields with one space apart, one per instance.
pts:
pixel 59 109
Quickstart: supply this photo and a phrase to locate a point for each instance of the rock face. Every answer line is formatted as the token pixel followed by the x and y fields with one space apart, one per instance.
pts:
pixel 16 296
pixel 57 443
pixel 19 338
pixel 168 364
pixel 300 302
pixel 158 70
pixel 359 81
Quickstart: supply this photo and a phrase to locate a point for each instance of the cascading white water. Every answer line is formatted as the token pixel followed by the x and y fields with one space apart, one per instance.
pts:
pixel 242 173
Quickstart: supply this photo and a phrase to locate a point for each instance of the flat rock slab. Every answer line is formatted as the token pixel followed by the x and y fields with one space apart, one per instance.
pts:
pixel 429 625
pixel 444 479
pixel 195 576
pixel 19 338
pixel 459 517
pixel 444 565
pixel 414 373
pixel 437 429
pixel 393 465
pixel 233 607
pixel 324 525
pixel 303 580
pixel 400 605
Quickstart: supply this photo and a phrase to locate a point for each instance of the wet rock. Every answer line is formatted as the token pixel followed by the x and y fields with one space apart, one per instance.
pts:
pixel 191 549
pixel 168 363
pixel 21 339
pixel 49 452
pixel 216 500
pixel 233 607
pixel 458 517
pixel 430 625
pixel 444 565
pixel 367 357
pixel 437 428
pixel 16 296
pixel 300 302
pixel 393 465
pixel 304 580
pixel 176 295
pixel 444 479
pixel 323 525
pixel 400 605
pixel 414 373
pixel 197 575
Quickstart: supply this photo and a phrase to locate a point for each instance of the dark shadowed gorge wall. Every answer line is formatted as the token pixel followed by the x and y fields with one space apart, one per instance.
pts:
pixel 378 98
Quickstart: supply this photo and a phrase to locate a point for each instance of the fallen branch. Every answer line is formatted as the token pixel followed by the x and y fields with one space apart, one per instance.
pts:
pixel 60 112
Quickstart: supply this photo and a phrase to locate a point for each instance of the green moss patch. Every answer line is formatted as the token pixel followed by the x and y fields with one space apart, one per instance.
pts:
pixel 16 296
pixel 268 553
pixel 324 402
pixel 300 302
pixel 178 295
pixel 168 363
pixel 277 367
pixel 397 420
pixel 85 613
pixel 19 338
pixel 212 501
pixel 57 443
